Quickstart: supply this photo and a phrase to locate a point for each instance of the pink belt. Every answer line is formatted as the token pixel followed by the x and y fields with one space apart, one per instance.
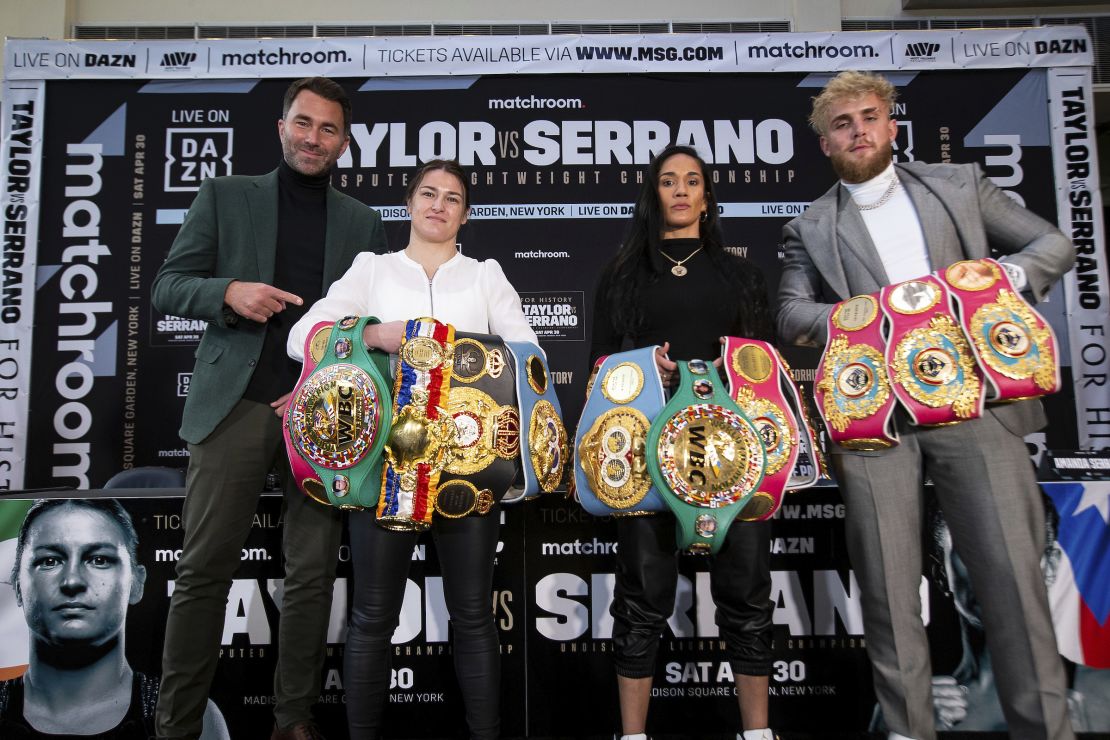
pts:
pixel 1014 345
pixel 759 381
pixel 315 345
pixel 932 369
pixel 853 390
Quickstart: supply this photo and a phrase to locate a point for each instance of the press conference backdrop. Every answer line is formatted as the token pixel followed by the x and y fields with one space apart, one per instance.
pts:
pixel 106 143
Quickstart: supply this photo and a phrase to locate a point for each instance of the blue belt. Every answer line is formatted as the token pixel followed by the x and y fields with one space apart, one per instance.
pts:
pixel 543 438
pixel 610 474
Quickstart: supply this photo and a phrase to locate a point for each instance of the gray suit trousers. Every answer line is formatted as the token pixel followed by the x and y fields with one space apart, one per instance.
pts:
pixel 227 472
pixel 990 499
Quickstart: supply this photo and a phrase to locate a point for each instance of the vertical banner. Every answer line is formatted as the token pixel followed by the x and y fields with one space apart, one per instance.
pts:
pixel 23 112
pixel 1075 161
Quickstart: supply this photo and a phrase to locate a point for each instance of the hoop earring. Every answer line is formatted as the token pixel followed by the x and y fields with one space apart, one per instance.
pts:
pixel 704 216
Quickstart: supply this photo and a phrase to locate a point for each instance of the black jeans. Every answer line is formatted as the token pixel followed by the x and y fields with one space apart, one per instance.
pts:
pixel 381 560
pixel 647 575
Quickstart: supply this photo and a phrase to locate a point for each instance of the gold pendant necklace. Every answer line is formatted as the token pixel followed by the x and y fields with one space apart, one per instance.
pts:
pixel 678 270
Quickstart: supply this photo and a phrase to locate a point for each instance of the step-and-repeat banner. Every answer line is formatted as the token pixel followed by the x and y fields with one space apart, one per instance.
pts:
pixel 552 590
pixel 104 147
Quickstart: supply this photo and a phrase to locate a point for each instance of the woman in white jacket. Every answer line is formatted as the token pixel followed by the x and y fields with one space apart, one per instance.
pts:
pixel 429 277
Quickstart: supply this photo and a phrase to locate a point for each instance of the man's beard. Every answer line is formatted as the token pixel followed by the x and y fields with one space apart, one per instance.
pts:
pixel 308 168
pixel 854 170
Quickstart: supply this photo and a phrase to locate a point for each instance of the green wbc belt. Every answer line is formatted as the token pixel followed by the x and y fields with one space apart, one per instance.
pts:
pixel 705 457
pixel 339 415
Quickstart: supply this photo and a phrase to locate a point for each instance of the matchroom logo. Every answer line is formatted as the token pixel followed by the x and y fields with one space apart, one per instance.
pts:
pixel 196 154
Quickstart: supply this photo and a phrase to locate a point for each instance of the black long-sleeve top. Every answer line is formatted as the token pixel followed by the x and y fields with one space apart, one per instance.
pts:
pixel 691 312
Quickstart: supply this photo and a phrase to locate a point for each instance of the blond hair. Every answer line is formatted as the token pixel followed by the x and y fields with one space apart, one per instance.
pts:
pixel 849 86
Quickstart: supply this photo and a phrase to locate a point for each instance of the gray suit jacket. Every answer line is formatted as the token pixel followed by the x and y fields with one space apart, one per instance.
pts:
pixel 230 233
pixel 830 256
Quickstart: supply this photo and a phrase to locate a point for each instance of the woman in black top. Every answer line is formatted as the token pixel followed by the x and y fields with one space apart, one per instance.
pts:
pixel 673 284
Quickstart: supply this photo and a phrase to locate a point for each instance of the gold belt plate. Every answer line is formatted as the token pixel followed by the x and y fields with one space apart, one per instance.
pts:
pixel 612 455
pixel 485 431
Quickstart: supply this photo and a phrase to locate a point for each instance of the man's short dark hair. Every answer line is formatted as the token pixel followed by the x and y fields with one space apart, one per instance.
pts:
pixel 326 89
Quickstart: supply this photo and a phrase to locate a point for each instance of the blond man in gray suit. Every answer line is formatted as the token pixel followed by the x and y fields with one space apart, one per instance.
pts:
pixel 882 224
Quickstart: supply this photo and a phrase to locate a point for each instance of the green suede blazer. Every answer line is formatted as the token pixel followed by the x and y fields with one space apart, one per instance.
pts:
pixel 230 233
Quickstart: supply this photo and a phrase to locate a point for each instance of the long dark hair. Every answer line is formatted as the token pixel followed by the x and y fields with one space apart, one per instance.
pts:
pixel 631 269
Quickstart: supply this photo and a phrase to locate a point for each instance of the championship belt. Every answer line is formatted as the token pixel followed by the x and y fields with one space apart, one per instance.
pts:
pixel 932 368
pixel 335 423
pixel 543 438
pixel 852 389
pixel 423 436
pixel 759 382
pixel 1014 345
pixel 610 474
pixel 705 457
pixel 486 453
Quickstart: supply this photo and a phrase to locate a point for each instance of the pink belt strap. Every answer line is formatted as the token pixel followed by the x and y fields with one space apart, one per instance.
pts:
pixel 1014 345
pixel 932 368
pixel 759 381
pixel 852 388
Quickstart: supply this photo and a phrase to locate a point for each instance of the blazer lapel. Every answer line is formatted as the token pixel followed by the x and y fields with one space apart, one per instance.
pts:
pixel 262 216
pixel 941 240
pixel 854 237
pixel 820 220
pixel 944 209
pixel 335 239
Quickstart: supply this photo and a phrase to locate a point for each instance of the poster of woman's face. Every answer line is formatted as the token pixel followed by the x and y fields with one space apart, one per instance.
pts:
pixel 75 573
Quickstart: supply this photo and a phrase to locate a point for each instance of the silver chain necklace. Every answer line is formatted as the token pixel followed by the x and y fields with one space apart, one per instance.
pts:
pixel 887 194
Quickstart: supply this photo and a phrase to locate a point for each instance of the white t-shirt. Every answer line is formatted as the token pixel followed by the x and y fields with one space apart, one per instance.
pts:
pixel 472 296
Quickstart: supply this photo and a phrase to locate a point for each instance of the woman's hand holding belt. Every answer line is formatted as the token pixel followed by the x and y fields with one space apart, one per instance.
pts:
pixel 668 369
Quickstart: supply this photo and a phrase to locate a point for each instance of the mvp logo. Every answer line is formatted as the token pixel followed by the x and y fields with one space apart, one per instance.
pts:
pixel 922 50
pixel 178 59
pixel 195 154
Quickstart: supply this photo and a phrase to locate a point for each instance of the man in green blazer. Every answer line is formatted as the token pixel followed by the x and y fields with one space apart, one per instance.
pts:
pixel 251 256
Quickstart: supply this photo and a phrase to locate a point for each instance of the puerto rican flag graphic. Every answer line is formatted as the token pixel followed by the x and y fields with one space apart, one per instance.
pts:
pixel 1080 594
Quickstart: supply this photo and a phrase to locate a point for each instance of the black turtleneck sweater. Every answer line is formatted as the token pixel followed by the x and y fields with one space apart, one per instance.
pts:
pixel 298 269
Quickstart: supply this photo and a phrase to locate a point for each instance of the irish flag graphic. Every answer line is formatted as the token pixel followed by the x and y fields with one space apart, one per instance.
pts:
pixel 13 648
